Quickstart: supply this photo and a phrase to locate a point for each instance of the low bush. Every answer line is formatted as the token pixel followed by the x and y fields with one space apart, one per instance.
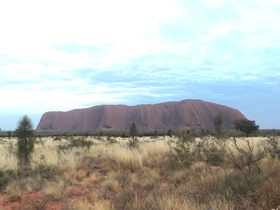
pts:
pixel 133 143
pixel 5 177
pixel 215 155
pixel 275 147
pixel 46 171
pixel 181 151
pixel 80 142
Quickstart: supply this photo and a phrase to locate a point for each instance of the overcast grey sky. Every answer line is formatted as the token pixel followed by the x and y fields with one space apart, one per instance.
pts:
pixel 62 55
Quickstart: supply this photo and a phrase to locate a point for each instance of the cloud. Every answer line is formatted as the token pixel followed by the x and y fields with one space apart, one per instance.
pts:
pixel 64 55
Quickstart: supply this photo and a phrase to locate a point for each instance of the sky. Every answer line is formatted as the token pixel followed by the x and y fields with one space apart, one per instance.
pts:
pixel 63 55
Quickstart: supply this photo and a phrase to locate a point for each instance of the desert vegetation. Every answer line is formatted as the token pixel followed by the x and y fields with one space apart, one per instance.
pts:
pixel 184 171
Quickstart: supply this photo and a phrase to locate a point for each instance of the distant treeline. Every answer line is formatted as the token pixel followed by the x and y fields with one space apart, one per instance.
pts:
pixel 155 133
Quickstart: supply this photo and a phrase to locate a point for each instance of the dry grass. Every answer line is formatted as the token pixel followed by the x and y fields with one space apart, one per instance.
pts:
pixel 170 202
pixel 13 188
pixel 127 160
pixel 8 159
pixel 78 204
pixel 101 205
pixel 114 176
pixel 54 190
pixel 257 143
pixel 111 185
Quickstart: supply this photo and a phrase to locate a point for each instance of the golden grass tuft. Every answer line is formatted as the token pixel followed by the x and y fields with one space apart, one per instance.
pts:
pixel 74 175
pixel 8 157
pixel 126 159
pixel 78 204
pixel 55 190
pixel 199 166
pixel 102 205
pixel 220 203
pixel 13 188
pixel 175 203
pixel 111 185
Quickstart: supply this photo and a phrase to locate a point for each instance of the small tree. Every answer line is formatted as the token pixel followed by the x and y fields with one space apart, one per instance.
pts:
pixel 25 143
pixel 170 132
pixel 9 134
pixel 246 126
pixel 133 132
pixel 155 133
pixel 247 159
pixel 182 154
pixel 218 124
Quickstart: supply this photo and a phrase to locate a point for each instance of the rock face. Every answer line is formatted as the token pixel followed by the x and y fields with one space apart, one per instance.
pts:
pixel 186 114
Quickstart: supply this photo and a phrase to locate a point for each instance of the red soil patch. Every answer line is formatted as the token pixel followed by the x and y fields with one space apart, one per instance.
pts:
pixel 78 191
pixel 39 200
pixel 12 202
pixel 55 206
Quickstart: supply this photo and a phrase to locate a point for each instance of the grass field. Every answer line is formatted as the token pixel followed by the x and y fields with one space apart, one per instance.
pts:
pixel 160 173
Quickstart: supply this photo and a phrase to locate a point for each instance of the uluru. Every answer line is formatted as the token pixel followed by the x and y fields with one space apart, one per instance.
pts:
pixel 182 115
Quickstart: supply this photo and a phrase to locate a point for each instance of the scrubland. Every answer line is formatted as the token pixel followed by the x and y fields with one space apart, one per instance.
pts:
pixel 162 173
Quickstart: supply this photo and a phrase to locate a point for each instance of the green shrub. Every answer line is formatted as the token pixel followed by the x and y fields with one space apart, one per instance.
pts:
pixel 234 185
pixel 169 132
pixel 5 177
pixel 133 143
pixel 46 171
pixel 246 161
pixel 181 153
pixel 80 143
pixel 275 149
pixel 215 155
pixel 57 138
pixel 111 140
